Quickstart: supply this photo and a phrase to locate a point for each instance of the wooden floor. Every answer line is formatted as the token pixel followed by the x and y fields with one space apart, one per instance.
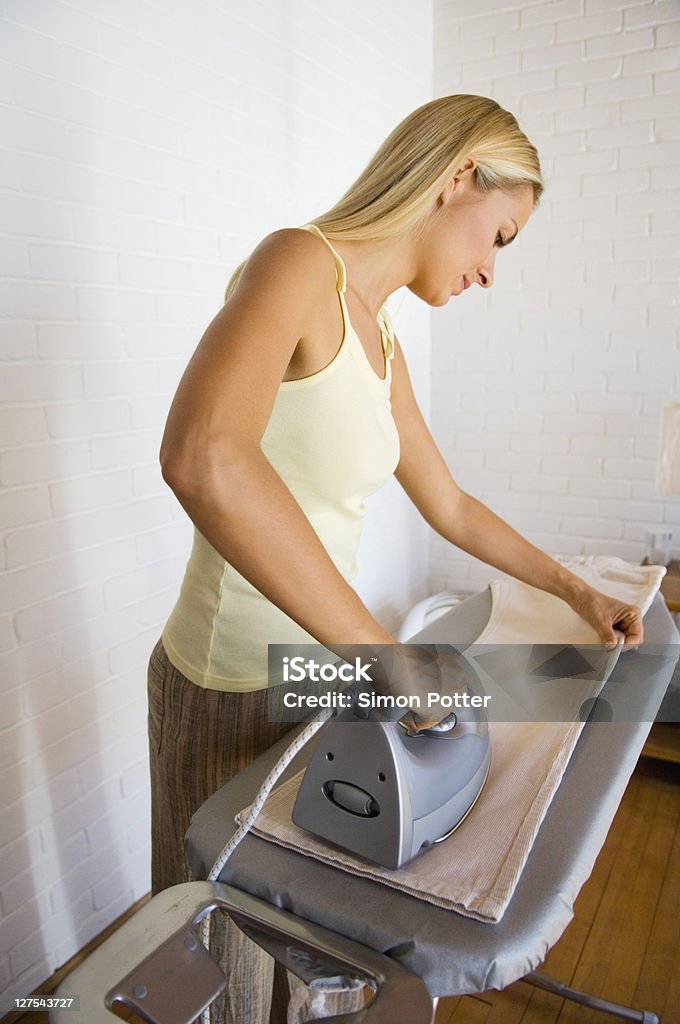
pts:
pixel 624 942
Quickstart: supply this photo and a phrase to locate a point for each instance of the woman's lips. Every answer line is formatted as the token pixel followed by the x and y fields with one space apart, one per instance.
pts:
pixel 465 284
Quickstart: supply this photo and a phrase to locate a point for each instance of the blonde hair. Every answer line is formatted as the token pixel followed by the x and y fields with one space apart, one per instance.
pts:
pixel 395 193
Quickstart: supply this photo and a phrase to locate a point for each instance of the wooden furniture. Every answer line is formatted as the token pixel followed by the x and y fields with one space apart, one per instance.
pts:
pixel 670 586
pixel 663 743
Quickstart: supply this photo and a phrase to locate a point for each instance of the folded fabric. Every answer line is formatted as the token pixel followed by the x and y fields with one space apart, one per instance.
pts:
pixel 476 870
pixel 523 614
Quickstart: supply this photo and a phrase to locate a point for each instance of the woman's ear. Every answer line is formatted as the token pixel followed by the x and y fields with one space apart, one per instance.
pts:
pixel 459 181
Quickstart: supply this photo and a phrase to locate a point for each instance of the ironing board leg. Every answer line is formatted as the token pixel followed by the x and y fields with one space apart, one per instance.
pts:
pixel 166 976
pixel 544 981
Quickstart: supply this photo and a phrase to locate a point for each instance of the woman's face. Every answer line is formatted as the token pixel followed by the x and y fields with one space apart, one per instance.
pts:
pixel 465 233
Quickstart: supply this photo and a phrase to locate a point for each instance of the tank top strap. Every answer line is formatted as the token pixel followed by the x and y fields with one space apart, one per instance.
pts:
pixel 386 332
pixel 384 321
pixel 340 271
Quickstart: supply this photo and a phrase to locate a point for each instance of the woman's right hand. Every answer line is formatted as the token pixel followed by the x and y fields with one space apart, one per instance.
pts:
pixel 414 671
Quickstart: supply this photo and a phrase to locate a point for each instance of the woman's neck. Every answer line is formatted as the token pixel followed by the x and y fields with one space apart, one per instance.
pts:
pixel 376 269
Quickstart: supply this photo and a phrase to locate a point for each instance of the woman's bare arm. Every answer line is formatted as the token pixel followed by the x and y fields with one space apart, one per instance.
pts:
pixel 211 455
pixel 471 526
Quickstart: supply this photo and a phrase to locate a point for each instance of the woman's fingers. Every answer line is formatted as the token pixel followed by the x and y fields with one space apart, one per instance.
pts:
pixel 629 622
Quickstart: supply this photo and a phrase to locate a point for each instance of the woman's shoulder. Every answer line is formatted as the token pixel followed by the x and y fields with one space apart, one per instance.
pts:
pixel 291 264
pixel 295 248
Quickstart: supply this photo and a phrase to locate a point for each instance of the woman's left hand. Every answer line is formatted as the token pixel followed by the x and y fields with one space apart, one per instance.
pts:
pixel 609 616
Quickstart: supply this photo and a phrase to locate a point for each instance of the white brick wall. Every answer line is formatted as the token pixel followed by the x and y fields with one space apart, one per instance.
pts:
pixel 145 150
pixel 549 387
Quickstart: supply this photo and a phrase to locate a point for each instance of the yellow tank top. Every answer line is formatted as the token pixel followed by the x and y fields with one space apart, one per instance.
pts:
pixel 332 440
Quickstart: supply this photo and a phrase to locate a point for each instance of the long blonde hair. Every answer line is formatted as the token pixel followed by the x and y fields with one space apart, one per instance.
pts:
pixel 396 191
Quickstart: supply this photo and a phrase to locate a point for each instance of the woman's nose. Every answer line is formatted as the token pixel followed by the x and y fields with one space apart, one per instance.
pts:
pixel 484 272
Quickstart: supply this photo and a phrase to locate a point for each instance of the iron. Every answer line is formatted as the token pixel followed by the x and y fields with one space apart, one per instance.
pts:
pixel 375 787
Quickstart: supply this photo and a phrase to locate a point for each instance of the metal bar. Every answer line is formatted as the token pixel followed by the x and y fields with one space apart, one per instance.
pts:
pixel 540 980
pixel 154 952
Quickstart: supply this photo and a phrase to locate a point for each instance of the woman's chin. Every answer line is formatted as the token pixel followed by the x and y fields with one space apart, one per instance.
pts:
pixel 439 298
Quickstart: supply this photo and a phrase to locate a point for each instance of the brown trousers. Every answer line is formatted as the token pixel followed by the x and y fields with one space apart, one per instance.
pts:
pixel 199 739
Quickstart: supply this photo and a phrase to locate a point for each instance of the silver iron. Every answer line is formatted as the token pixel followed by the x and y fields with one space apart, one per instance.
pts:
pixel 382 791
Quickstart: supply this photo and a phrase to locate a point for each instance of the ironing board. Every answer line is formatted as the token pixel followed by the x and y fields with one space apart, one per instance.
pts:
pixel 287 898
pixel 455 955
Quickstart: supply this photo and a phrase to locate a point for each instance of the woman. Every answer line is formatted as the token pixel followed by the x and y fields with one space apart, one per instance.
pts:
pixel 294 408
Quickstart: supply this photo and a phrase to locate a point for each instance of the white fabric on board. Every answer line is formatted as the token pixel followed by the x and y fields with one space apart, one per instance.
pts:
pixel 523 614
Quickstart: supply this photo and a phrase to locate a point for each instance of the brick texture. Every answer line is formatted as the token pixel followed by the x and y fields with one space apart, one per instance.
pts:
pixel 146 148
pixel 580 329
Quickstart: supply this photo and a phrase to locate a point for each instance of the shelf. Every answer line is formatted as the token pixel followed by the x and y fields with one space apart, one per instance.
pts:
pixel 670 586
pixel 663 742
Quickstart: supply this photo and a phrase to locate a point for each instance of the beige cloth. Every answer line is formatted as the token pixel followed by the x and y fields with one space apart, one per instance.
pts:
pixel 476 870
pixel 523 614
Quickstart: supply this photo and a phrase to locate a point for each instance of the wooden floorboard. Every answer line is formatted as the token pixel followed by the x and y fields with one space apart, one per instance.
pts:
pixel 612 935
pixel 508 1007
pixel 645 903
pixel 611 959
pixel 661 967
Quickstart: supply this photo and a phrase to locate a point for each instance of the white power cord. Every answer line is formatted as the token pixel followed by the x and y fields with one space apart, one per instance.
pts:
pixel 255 808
